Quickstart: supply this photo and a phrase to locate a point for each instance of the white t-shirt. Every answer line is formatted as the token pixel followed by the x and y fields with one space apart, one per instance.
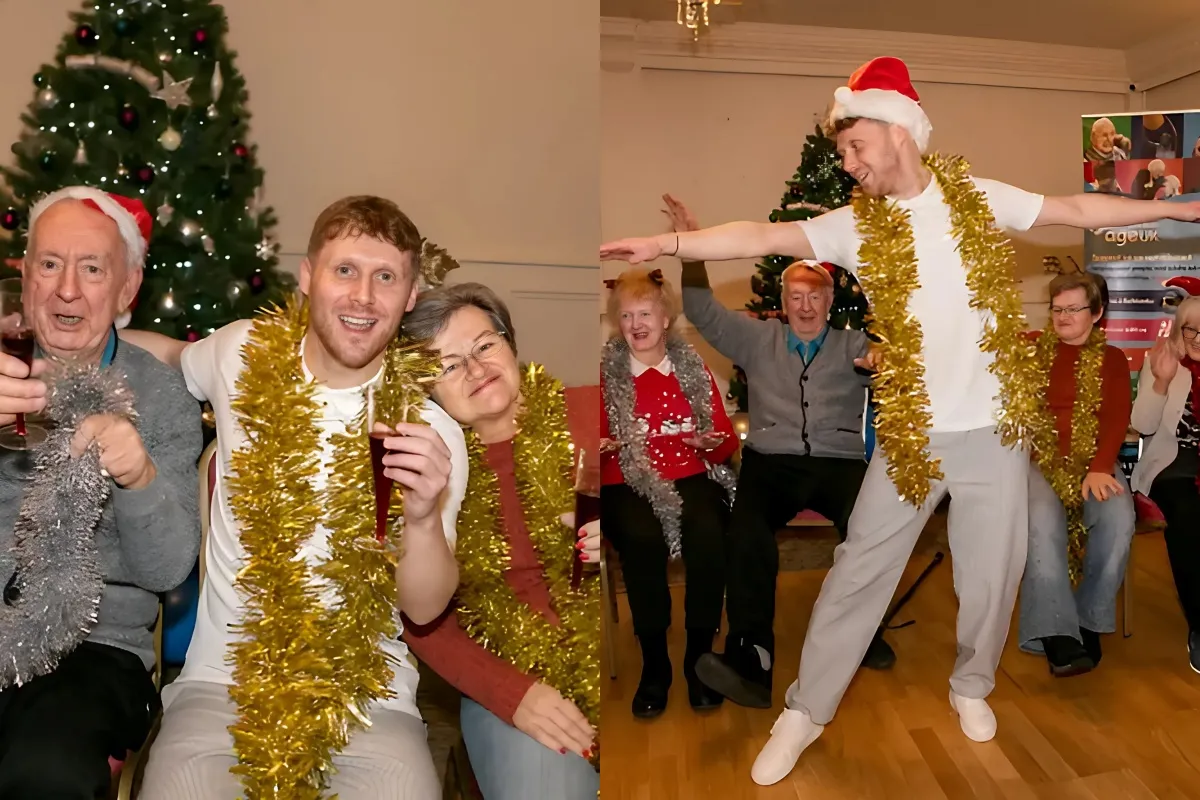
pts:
pixel 211 368
pixel 962 393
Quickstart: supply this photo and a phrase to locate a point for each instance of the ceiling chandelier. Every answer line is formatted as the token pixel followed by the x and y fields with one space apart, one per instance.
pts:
pixel 693 14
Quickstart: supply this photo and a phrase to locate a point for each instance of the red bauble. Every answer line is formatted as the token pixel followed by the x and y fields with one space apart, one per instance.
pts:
pixel 192 336
pixel 128 118
pixel 85 35
pixel 145 175
pixel 241 151
pixel 10 220
pixel 199 37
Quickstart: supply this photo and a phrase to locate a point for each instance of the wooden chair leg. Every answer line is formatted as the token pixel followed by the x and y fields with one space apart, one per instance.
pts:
pixel 610 612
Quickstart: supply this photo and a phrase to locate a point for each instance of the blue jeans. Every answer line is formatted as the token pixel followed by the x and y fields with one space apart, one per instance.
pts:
pixel 509 765
pixel 1048 606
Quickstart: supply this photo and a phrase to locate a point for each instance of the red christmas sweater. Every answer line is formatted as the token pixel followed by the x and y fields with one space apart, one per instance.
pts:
pixel 666 419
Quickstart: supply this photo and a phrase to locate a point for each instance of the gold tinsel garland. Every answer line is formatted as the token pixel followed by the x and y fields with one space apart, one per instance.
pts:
pixel 566 656
pixel 889 276
pixel 1065 474
pixel 304 674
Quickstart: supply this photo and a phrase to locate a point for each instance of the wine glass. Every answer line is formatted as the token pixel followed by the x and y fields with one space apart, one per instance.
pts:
pixel 16 339
pixel 587 499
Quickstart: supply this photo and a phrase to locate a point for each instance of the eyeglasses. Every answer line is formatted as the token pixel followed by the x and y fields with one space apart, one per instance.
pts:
pixel 1188 332
pixel 1069 311
pixel 454 367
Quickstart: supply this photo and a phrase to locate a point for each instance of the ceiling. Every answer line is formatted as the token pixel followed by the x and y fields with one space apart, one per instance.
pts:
pixel 1086 23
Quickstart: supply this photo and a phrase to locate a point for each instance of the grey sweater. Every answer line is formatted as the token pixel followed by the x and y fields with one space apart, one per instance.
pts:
pixel 147 539
pixel 814 409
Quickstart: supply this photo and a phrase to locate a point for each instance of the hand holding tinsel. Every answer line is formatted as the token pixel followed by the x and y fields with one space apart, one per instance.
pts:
pixel 57 578
pixel 120 449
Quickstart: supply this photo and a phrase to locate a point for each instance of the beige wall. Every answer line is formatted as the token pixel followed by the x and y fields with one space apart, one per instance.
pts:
pixel 479 119
pixel 1178 95
pixel 726 141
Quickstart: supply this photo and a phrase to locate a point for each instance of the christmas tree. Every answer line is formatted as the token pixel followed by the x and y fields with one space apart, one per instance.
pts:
pixel 143 100
pixel 819 185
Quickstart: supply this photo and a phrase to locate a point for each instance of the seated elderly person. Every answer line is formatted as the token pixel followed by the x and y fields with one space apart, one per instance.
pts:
pixel 805 450
pixel 75 688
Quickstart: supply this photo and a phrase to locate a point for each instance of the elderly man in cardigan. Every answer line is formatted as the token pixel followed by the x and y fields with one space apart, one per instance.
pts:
pixel 59 723
pixel 808 392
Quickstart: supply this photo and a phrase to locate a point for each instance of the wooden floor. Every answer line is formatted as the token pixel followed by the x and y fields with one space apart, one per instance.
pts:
pixel 1131 729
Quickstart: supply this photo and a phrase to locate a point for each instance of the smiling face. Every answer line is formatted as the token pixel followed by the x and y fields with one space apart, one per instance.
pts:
pixel 481 378
pixel 872 153
pixel 643 323
pixel 77 279
pixel 358 290
pixel 806 301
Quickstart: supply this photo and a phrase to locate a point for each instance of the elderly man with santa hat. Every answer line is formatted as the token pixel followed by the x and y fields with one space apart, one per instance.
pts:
pixel 957 387
pixel 81 579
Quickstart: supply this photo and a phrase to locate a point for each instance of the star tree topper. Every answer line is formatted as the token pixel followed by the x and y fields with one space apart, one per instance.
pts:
pixel 174 93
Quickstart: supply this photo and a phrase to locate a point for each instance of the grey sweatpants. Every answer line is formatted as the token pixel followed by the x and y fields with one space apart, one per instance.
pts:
pixel 988 529
pixel 191 757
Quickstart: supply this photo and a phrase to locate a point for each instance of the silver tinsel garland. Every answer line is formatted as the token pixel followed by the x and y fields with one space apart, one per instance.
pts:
pixel 619 399
pixel 58 578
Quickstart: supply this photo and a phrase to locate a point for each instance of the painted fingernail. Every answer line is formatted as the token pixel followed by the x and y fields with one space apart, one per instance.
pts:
pixel 587 753
pixel 579 545
pixel 583 557
pixel 562 750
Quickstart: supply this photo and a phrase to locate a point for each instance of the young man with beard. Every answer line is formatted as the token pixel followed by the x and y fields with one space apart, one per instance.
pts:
pixel 287 663
pixel 957 386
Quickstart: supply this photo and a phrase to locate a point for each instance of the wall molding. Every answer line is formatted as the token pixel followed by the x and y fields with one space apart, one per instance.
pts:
pixel 757 48
pixel 1168 58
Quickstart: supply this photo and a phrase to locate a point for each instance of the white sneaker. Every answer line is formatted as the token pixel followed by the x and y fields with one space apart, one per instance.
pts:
pixel 790 735
pixel 975 717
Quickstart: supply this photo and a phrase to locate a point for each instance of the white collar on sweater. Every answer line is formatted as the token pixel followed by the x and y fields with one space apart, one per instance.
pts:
pixel 638 368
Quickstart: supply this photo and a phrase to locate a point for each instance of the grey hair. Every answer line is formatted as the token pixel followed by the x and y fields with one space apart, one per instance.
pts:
pixel 435 307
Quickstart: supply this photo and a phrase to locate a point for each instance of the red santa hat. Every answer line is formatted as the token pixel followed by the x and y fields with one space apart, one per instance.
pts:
pixel 1188 283
pixel 133 221
pixel 881 90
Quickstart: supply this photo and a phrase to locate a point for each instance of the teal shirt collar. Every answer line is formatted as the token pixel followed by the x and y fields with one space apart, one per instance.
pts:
pixel 806 350
pixel 110 350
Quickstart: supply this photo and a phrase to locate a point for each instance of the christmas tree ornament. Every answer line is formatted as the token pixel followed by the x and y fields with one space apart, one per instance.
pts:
pixel 209 245
pixel 144 175
pixel 47 160
pixel 257 283
pixel 10 220
pixel 199 38
pixel 81 156
pixel 47 98
pixel 241 151
pixel 167 305
pixel 39 79
pixel 235 291
pixel 215 86
pixel 189 229
pixel 170 139
pixel 128 118
pixel 174 93
pixel 164 213
pixel 122 171
pixel 192 336
pixel 125 26
pixel 213 112
pixel 265 249
pixel 86 36
pixel 116 66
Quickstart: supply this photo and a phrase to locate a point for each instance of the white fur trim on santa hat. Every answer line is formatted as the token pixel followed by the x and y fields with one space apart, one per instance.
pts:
pixel 127 226
pixel 885 106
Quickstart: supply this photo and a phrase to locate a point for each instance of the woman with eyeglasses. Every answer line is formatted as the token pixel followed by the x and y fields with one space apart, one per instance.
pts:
pixel 666 489
pixel 520 643
pixel 1166 412
pixel 1077 492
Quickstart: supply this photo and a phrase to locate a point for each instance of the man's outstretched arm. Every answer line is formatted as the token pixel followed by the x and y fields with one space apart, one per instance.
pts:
pixel 1098 210
pixel 726 242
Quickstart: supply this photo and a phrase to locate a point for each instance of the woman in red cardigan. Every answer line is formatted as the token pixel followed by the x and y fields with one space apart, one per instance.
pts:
pixel 666 489
pixel 521 643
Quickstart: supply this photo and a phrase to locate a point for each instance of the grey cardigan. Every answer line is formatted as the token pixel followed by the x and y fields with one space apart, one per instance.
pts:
pixel 147 539
pixel 1156 417
pixel 814 409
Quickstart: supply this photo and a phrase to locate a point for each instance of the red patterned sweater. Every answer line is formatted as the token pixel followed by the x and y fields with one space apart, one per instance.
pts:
pixel 667 416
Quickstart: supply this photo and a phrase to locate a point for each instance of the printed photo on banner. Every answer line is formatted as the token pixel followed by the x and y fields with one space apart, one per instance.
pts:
pixel 1149 268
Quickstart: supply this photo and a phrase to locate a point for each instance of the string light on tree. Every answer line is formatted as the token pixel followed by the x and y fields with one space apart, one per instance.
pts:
pixel 114 108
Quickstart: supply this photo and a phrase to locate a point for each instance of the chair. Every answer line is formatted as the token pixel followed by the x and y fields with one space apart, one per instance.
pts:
pixel 130 771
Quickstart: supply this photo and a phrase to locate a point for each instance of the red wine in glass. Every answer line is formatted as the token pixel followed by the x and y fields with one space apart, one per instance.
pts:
pixel 587 503
pixel 383 485
pixel 19 342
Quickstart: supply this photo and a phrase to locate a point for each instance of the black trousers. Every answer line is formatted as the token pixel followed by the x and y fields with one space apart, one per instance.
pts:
pixel 58 731
pixel 629 523
pixel 772 489
pixel 1179 500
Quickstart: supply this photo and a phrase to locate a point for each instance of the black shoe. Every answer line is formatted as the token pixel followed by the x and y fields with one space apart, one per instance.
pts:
pixel 700 697
pixel 1067 657
pixel 1091 643
pixel 880 654
pixel 650 699
pixel 1194 650
pixel 738 673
